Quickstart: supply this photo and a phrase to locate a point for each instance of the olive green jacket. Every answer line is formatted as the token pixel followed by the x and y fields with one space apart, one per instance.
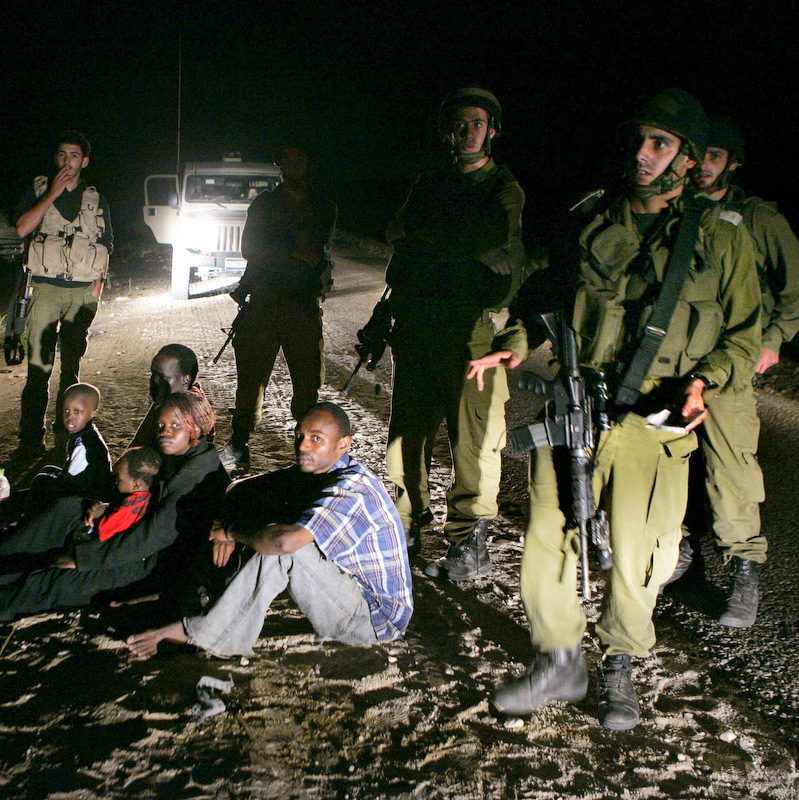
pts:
pixel 454 237
pixel 777 257
pixel 715 329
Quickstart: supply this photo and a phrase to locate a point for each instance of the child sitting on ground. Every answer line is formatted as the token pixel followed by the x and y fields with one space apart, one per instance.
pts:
pixel 87 471
pixel 135 471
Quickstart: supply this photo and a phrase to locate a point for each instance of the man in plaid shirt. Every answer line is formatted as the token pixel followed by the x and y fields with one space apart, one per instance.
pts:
pixel 326 530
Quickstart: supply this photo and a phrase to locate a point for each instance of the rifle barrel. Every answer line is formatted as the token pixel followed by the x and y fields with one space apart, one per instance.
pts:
pixel 231 334
pixel 345 389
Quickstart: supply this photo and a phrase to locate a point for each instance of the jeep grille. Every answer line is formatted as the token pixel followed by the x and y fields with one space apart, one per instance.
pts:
pixel 228 238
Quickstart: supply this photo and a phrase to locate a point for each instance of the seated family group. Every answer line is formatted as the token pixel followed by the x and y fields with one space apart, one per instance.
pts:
pixel 213 554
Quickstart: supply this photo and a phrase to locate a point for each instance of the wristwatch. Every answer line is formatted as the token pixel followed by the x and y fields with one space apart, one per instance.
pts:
pixel 696 376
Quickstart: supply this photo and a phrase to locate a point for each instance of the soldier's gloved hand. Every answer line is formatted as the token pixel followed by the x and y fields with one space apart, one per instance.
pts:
pixel 308 255
pixel 497 260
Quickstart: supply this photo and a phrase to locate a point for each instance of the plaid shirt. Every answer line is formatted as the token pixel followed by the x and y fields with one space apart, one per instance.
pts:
pixel 355 525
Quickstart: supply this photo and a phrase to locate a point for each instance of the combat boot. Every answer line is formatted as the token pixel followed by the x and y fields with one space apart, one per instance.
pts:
pixel 464 561
pixel 413 536
pixel 741 610
pixel 235 452
pixel 684 561
pixel 618 702
pixel 555 675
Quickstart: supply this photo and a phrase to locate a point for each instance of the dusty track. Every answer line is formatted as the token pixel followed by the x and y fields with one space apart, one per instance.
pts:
pixel 80 720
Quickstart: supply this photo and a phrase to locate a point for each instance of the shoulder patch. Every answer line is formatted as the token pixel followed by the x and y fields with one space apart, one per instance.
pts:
pixel 732 217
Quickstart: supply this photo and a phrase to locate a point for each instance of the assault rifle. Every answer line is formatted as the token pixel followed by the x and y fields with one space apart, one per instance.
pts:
pixel 13 350
pixel 372 338
pixel 570 414
pixel 233 328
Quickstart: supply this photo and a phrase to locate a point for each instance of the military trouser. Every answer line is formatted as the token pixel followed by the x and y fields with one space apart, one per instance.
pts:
pixel 641 480
pixel 734 480
pixel 57 315
pixel 430 386
pixel 297 329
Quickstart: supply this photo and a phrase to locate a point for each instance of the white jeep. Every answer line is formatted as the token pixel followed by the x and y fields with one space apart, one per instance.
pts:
pixel 203 215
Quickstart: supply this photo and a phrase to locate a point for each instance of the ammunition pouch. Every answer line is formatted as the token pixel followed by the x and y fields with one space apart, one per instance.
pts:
pixel 693 332
pixel 70 251
pixel 70 258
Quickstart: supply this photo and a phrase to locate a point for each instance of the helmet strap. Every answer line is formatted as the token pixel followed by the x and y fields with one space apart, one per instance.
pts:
pixel 722 182
pixel 472 158
pixel 666 182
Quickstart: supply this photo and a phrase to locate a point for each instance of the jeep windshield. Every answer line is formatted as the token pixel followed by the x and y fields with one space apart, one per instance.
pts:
pixel 227 188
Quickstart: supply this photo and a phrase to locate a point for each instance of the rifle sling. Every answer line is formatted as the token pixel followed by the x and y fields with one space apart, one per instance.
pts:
pixel 655 332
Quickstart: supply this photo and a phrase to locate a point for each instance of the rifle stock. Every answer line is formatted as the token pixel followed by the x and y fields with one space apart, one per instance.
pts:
pixel 13 349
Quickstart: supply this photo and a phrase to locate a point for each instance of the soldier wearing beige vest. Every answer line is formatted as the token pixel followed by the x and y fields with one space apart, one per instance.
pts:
pixel 71 239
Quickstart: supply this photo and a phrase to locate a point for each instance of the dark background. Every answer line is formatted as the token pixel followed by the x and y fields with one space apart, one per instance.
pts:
pixel 361 82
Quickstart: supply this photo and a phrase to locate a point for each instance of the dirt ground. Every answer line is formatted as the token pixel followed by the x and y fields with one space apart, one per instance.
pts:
pixel 81 720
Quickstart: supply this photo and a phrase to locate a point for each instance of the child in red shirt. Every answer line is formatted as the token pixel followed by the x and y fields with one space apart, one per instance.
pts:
pixel 135 471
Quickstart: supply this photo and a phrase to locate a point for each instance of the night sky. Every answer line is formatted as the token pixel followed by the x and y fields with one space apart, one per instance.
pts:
pixel 361 82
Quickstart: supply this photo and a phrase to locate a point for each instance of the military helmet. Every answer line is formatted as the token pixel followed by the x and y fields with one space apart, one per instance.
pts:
pixel 680 113
pixel 470 96
pixel 724 133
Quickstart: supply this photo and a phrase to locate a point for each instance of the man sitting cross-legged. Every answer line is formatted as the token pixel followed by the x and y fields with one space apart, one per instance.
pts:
pixel 326 530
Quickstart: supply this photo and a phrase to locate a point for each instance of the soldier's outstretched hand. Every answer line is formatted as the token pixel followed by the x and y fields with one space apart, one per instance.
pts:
pixel 502 358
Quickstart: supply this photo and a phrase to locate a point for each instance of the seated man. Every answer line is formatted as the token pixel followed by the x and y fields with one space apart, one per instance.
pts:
pixel 326 530
pixel 173 369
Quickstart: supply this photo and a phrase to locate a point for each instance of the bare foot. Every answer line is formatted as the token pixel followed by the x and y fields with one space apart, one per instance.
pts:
pixel 145 645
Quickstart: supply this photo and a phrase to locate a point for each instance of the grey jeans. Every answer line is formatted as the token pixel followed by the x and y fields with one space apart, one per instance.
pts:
pixel 331 599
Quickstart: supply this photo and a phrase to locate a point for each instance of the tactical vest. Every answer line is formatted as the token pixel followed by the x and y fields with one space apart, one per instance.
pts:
pixel 69 251
pixel 602 312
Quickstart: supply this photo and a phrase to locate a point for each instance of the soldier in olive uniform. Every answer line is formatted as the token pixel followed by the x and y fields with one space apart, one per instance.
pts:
pixel 285 238
pixel 728 438
pixel 458 256
pixel 711 341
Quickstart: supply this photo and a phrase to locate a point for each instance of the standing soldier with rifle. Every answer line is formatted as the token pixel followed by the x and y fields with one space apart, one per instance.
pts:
pixel 458 255
pixel 666 308
pixel 734 480
pixel 71 239
pixel 284 241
